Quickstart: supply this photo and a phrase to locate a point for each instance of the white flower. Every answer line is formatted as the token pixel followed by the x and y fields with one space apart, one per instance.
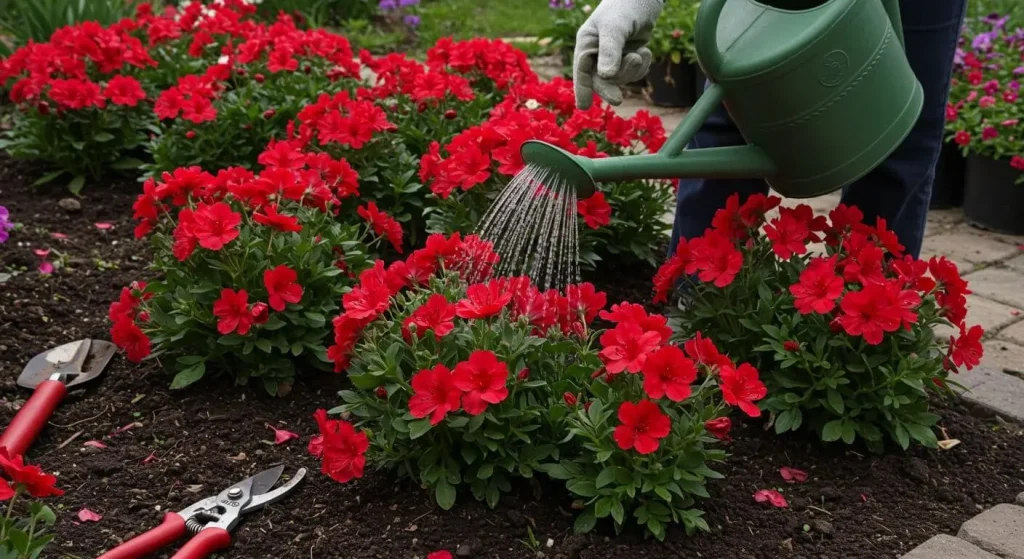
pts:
pixel 223 59
pixel 587 8
pixel 532 104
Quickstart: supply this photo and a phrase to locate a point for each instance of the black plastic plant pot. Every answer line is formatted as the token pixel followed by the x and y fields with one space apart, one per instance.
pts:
pixel 950 174
pixel 992 199
pixel 670 84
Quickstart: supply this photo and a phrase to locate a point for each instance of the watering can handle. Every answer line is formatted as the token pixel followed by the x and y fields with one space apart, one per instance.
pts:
pixel 711 11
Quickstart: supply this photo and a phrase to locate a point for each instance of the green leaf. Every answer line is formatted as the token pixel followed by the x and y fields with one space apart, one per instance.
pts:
pixel 485 471
pixel 190 360
pixel 832 430
pixel 585 522
pixel 47 178
pixel 835 401
pixel 902 437
pixel 188 375
pixel 618 513
pixel 604 478
pixel 444 494
pixel 555 471
pixel 849 432
pixel 923 435
pixel 103 136
pixel 418 428
pixel 76 184
pixel 126 164
pixel 603 507
pixel 582 487
pixel 784 421
pixel 264 345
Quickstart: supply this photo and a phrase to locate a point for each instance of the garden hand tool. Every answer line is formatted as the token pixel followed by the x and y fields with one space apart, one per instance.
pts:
pixel 50 374
pixel 612 43
pixel 821 90
pixel 210 520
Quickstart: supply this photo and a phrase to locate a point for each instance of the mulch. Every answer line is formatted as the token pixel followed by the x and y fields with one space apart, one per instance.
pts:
pixel 184 445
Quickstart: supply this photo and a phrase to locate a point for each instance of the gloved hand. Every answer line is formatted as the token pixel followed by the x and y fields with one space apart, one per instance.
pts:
pixel 611 49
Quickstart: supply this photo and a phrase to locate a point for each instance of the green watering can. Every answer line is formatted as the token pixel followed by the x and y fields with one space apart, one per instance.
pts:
pixel 821 90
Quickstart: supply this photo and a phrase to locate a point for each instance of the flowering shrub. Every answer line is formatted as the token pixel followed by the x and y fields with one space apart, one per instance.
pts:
pixel 22 530
pixel 984 111
pixel 467 381
pixel 847 336
pixel 250 266
pixel 467 176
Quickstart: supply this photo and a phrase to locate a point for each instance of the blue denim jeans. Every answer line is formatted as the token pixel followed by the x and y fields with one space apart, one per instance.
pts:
pixel 900 188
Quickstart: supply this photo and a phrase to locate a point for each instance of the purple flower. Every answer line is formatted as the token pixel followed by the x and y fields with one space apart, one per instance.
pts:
pixel 995 20
pixel 407 3
pixel 1018 71
pixel 387 5
pixel 983 41
pixel 411 20
pixel 5 225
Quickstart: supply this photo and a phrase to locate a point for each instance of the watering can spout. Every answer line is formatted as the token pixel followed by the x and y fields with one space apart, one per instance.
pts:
pixel 820 89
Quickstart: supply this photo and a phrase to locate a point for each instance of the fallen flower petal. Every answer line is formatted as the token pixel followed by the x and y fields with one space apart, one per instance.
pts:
pixel 86 515
pixel 151 458
pixel 771 496
pixel 41 252
pixel 948 443
pixel 103 226
pixel 46 268
pixel 440 555
pixel 94 444
pixel 59 236
pixel 793 475
pixel 863 498
pixel 1015 312
pixel 125 428
pixel 281 436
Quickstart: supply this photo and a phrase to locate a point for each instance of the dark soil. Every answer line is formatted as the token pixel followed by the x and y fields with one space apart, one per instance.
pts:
pixel 190 444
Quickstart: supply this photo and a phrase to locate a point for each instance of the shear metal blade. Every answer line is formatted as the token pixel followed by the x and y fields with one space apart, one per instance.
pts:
pixel 263 481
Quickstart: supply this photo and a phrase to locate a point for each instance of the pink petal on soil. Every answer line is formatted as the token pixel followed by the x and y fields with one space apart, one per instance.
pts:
pixel 793 475
pixel 41 252
pixel 46 268
pixel 86 515
pixel 316 446
pixel 59 236
pixel 151 458
pixel 771 496
pixel 103 226
pixel 281 436
pixel 1015 312
pixel 94 444
pixel 125 428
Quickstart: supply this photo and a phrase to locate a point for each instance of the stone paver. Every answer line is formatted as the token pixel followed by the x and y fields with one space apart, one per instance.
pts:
pixel 999 530
pixel 992 316
pixel 1016 264
pixel 948 547
pixel 992 388
pixel 963 245
pixel 999 284
pixel 1001 354
pixel 1020 499
pixel 1014 333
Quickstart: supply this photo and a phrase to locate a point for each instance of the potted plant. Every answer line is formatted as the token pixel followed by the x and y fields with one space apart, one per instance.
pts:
pixel 672 81
pixel 984 116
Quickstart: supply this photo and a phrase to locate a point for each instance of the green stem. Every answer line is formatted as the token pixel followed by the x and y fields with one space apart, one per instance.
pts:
pixel 10 510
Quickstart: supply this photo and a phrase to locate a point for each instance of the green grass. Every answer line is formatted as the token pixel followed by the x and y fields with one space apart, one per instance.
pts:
pixel 464 19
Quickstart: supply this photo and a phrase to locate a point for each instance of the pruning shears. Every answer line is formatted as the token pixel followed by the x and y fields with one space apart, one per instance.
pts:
pixel 210 520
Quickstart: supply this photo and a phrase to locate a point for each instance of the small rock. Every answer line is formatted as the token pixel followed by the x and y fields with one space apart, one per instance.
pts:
pixel 70 205
pixel 822 527
pixel 464 551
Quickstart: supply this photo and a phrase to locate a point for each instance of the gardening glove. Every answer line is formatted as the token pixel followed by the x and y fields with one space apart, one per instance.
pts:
pixel 611 49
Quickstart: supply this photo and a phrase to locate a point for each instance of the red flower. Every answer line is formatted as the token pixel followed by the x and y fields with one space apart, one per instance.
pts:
pixel 483 300
pixel 282 287
pixel 278 221
pixel 791 345
pixel 703 351
pixel 436 315
pixel 124 90
pixel 719 427
pixel 169 104
pixel 819 287
pixel 434 394
pixel 595 210
pixel 6 491
pixel 76 94
pixel 627 347
pixel 788 235
pixel 717 259
pixel 870 313
pixel 127 335
pixel 214 225
pixel 643 425
pixel 383 224
pixel 367 300
pixel 260 313
pixel 31 478
pixel 482 378
pixel 1017 162
pixel 585 301
pixel 667 372
pixel 665 279
pixel 966 350
pixel 962 138
pixel 570 399
pixel 198 110
pixel 741 387
pixel 232 310
pixel 341 449
pixel 631 312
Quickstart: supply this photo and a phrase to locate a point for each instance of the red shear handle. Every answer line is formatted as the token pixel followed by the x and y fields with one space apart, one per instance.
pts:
pixel 150 542
pixel 204 544
pixel 32 417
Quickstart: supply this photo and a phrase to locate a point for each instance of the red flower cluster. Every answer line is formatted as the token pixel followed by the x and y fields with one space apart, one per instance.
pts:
pixel 493 59
pixel 570 312
pixel 474 383
pixel 23 477
pixel 340 448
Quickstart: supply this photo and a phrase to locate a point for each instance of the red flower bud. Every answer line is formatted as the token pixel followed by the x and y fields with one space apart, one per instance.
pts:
pixel 524 374
pixel 835 327
pixel 269 114
pixel 570 399
pixel 586 405
pixel 676 33
pixel 422 107
pixel 259 78
pixel 247 127
pixel 143 317
pixel 43 107
pixel 719 427
pixel 381 392
pixel 308 69
pixel 240 72
pixel 450 114
pixel 260 313
pixel 190 134
pixel 790 345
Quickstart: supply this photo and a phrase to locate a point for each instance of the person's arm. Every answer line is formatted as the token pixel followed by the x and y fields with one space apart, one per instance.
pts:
pixel 611 49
